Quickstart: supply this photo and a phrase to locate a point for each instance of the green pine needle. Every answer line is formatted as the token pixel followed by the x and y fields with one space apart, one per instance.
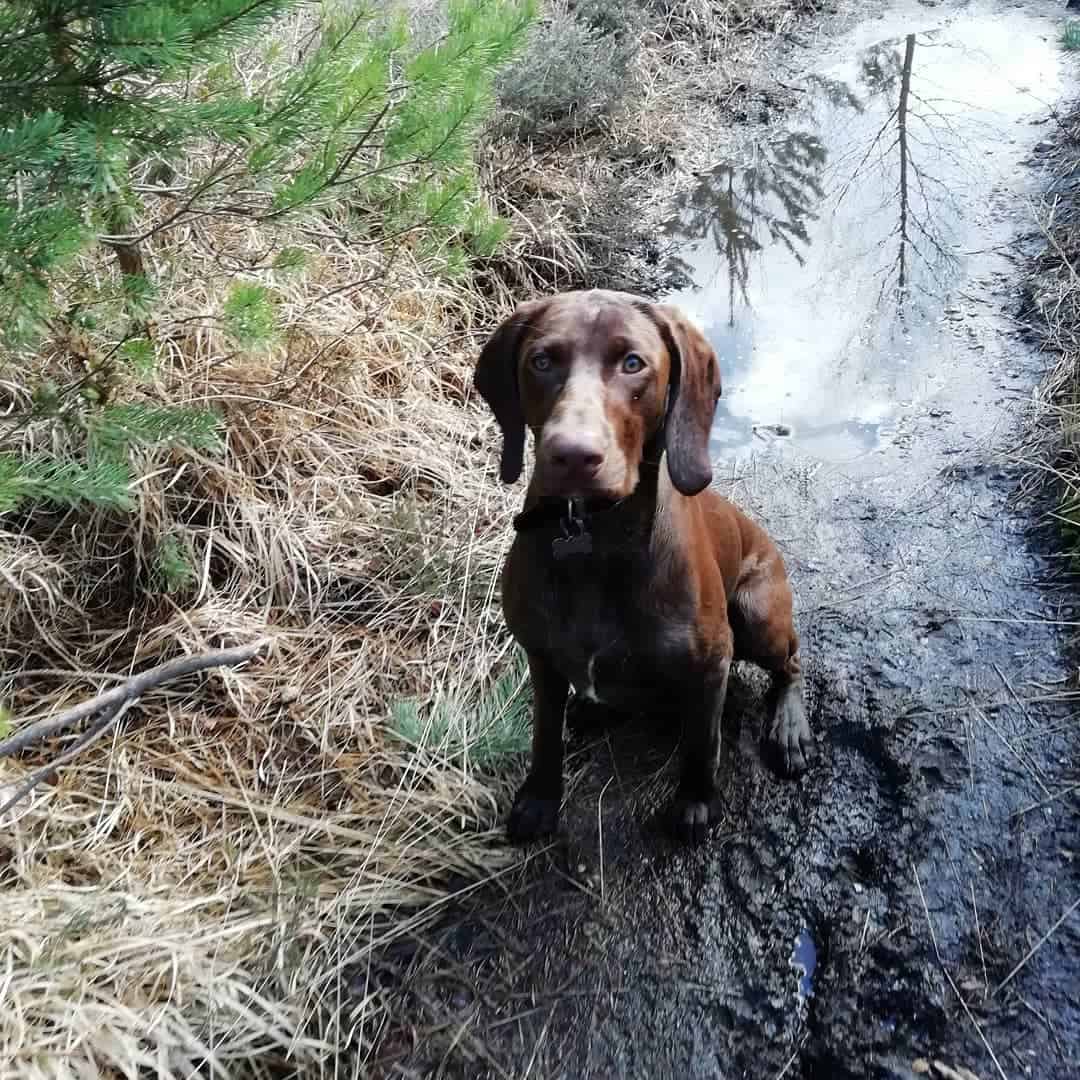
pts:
pixel 116 428
pixel 173 568
pixel 367 120
pixel 102 483
pixel 249 315
pixel 484 726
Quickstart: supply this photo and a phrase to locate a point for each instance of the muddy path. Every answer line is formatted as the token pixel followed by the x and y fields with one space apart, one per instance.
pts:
pixel 914 897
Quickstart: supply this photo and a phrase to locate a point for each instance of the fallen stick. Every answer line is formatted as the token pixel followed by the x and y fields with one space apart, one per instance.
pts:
pixel 112 704
pixel 130 690
pixel 103 724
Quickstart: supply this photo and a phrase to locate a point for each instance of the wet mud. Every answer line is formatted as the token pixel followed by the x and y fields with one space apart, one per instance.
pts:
pixel 858 270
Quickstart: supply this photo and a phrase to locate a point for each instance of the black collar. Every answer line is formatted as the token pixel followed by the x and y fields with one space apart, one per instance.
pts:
pixel 567 513
pixel 573 517
pixel 571 513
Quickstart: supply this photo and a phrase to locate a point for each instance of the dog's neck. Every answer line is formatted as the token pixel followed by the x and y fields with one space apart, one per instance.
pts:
pixel 580 528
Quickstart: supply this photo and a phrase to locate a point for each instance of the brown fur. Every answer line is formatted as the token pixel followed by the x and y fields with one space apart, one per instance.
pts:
pixel 678 582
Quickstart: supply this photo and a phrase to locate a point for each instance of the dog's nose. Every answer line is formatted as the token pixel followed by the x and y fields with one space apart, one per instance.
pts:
pixel 575 455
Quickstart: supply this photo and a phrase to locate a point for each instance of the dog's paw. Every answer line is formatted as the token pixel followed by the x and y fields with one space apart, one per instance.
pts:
pixel 691 818
pixel 787 744
pixel 531 818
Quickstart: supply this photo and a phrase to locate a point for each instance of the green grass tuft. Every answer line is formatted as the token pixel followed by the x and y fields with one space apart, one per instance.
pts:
pixel 172 565
pixel 484 728
pixel 1070 36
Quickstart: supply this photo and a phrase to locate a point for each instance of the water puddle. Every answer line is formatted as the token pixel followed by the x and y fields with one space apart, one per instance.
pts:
pixel 836 266
pixel 804 961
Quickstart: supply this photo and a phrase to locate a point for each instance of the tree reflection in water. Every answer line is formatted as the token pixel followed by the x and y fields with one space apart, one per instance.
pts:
pixel 740 209
pixel 914 123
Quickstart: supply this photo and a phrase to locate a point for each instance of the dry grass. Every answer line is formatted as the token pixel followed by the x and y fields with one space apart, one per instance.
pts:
pixel 1053 452
pixel 211 871
pixel 587 207
pixel 200 894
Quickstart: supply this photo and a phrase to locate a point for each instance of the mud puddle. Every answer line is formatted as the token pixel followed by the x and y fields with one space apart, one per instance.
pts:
pixel 911 900
pixel 831 263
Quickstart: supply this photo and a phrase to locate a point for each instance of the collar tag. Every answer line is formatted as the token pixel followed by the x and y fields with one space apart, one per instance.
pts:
pixel 576 538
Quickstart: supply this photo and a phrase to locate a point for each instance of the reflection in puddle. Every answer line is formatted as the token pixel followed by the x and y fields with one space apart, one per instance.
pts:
pixel 804 961
pixel 822 265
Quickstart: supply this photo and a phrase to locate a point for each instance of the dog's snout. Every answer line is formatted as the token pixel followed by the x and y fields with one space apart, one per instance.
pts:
pixel 575 454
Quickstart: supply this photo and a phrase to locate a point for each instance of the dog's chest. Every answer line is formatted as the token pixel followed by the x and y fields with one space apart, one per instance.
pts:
pixel 596 647
pixel 624 663
pixel 606 630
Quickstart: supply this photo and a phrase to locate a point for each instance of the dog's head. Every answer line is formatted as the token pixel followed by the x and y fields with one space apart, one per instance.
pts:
pixel 600 377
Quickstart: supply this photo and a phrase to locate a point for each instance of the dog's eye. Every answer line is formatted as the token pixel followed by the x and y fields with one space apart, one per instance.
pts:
pixel 633 364
pixel 541 362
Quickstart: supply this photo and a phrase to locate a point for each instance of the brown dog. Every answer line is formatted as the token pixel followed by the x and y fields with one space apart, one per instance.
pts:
pixel 628 579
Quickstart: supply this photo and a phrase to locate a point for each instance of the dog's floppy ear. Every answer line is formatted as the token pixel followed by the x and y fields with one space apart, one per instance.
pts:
pixel 693 390
pixel 496 380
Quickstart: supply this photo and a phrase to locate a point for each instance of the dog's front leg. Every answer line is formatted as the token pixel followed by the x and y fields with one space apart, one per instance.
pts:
pixel 535 811
pixel 697 801
pixel 786 740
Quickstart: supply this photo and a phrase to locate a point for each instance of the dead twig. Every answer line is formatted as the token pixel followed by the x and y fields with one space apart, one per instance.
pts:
pixel 600 830
pixel 1046 802
pixel 1037 946
pixel 1027 766
pixel 104 724
pixel 129 692
pixel 978 938
pixel 112 706
pixel 792 1059
pixel 1012 693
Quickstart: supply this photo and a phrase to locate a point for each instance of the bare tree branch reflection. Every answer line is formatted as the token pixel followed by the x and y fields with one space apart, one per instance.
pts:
pixel 776 199
pixel 902 142
pixel 919 194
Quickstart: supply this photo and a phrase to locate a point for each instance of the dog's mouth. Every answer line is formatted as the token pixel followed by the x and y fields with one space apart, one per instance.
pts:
pixel 612 480
pixel 593 491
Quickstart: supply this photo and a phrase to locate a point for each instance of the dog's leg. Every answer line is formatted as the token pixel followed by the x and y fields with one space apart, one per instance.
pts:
pixel 766 635
pixel 535 811
pixel 697 802
pixel 786 741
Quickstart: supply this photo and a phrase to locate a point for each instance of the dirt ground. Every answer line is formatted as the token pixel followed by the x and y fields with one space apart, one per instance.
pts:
pixel 913 899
